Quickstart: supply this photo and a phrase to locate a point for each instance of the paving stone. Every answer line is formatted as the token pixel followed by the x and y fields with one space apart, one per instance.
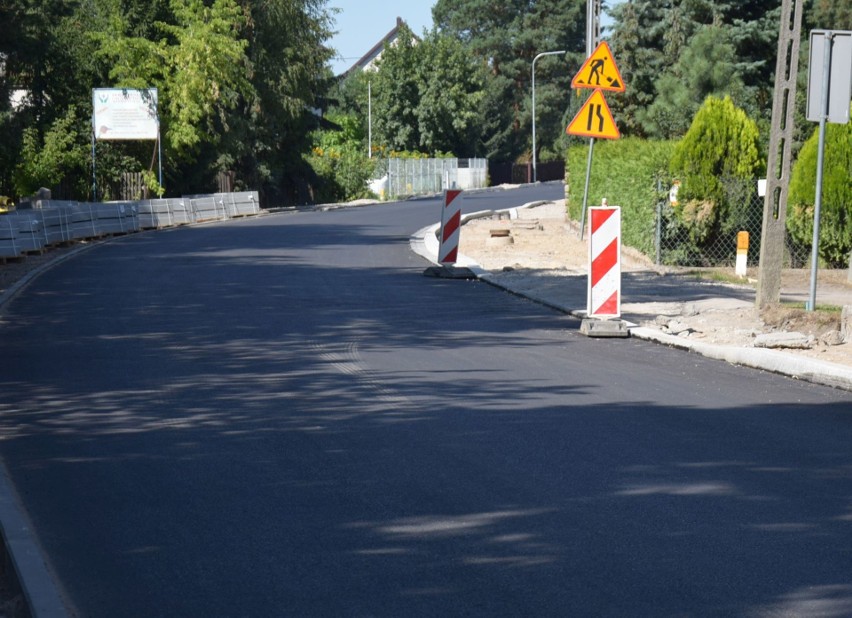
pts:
pixel 796 341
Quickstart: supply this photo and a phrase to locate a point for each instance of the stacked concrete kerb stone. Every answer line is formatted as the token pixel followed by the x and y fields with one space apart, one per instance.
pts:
pixel 40 224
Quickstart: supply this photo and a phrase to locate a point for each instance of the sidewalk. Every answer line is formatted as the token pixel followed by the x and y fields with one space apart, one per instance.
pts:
pixel 652 301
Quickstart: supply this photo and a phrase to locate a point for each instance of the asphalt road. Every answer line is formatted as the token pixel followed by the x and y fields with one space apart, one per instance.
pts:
pixel 281 416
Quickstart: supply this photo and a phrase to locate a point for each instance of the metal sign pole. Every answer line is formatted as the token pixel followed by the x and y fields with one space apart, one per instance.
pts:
pixel 94 168
pixel 826 72
pixel 586 190
pixel 159 154
pixel 593 33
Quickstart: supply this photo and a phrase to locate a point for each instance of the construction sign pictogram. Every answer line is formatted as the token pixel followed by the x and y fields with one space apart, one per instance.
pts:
pixel 599 71
pixel 594 119
pixel 604 283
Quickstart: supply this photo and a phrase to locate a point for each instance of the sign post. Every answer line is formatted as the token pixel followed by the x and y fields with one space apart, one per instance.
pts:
pixel 829 89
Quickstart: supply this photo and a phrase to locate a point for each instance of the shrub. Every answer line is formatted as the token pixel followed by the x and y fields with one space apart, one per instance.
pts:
pixel 340 161
pixel 835 240
pixel 717 157
pixel 62 153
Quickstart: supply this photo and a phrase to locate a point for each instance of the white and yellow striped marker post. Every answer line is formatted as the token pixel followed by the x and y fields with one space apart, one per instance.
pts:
pixel 741 268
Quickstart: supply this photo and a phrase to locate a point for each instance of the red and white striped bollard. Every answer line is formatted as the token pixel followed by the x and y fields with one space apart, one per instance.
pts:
pixel 450 227
pixel 604 287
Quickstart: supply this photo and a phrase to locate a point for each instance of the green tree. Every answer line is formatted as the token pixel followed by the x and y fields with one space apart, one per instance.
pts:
pixel 829 15
pixel 339 158
pixel 674 53
pixel 237 81
pixel 34 61
pixel 270 131
pixel 396 94
pixel 198 64
pixel 427 96
pixel 638 42
pixel 835 241
pixel 717 161
pixel 60 153
pixel 505 36
pixel 450 95
pixel 706 66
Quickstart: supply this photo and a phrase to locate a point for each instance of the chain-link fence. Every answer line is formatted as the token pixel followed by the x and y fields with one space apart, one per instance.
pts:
pixel 703 233
pixel 424 176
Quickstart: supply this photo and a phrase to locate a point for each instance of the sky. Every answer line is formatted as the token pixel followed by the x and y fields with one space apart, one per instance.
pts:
pixel 360 24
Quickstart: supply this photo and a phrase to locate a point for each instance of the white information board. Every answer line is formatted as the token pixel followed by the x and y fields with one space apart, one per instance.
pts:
pixel 125 114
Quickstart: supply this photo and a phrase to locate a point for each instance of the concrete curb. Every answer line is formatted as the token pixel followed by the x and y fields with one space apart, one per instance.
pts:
pixel 14 289
pixel 808 369
pixel 774 361
pixel 20 547
pixel 24 554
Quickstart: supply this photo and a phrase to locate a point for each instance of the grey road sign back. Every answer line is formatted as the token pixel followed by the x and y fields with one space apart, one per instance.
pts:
pixel 840 75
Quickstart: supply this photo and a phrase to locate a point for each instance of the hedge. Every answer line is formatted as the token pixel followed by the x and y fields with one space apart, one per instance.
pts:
pixel 624 172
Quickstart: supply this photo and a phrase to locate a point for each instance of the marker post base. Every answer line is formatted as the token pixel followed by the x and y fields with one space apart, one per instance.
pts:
pixel 592 327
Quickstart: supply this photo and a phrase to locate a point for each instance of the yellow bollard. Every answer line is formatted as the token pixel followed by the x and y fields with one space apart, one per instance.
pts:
pixel 742 254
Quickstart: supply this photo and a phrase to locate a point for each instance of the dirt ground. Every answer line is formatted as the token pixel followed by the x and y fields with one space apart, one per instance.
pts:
pixel 542 246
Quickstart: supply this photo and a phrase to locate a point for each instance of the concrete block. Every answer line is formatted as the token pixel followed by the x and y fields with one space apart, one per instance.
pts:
pixel 794 341
pixel 592 327
pixel 449 272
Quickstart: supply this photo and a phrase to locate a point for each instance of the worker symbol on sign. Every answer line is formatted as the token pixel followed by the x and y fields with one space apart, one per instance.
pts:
pixel 596 70
pixel 599 71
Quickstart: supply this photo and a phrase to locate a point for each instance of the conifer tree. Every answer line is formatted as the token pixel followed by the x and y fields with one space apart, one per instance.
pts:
pixel 835 243
pixel 717 162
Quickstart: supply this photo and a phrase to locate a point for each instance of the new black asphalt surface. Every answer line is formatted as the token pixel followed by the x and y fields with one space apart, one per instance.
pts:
pixel 282 417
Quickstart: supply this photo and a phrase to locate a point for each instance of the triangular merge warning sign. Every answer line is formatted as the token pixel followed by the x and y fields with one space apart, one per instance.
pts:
pixel 594 119
pixel 599 71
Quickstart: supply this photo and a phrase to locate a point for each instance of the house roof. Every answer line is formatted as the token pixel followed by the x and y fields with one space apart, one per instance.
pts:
pixel 370 57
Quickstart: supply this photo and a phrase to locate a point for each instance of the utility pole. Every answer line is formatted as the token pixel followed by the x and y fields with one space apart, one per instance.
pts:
pixel 593 26
pixel 779 163
pixel 593 35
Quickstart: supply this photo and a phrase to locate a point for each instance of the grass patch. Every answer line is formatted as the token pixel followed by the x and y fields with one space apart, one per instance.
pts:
pixel 717 276
pixel 819 308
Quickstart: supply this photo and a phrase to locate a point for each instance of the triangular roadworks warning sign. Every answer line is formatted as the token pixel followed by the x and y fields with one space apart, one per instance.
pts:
pixel 594 119
pixel 599 71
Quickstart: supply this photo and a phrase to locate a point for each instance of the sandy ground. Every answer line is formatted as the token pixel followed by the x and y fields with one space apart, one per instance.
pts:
pixel 543 248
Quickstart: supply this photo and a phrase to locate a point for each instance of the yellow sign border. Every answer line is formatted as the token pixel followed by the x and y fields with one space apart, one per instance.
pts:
pixel 597 98
pixel 602 53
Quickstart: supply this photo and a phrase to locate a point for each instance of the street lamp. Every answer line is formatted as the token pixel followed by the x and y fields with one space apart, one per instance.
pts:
pixel 551 53
pixel 369 120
